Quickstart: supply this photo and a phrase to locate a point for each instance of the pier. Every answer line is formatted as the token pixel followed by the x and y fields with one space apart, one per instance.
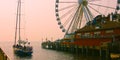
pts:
pixel 3 56
pixel 100 36
pixel 103 51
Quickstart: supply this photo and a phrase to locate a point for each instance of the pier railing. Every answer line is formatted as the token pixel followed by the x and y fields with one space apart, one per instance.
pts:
pixel 3 56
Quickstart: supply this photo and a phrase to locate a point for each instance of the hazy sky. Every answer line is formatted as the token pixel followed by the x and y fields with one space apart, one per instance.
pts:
pixel 38 16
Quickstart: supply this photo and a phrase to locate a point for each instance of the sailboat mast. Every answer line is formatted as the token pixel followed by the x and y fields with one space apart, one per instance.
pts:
pixel 18 18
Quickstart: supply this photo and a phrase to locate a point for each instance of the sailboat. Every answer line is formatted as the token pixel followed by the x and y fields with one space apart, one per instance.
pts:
pixel 21 47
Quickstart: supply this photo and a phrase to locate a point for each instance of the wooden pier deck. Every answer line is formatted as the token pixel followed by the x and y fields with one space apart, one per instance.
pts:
pixel 3 56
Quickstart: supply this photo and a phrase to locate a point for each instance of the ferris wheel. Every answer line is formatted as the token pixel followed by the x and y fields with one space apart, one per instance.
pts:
pixel 72 15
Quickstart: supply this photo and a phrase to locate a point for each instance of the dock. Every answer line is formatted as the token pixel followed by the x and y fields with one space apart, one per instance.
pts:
pixel 103 51
pixel 3 56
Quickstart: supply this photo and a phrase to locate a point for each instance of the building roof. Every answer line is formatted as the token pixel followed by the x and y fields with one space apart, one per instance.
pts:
pixel 100 26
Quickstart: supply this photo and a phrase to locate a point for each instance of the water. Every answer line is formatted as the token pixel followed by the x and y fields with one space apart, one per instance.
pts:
pixel 42 54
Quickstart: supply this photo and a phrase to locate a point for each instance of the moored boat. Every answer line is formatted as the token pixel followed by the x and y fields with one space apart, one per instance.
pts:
pixel 21 47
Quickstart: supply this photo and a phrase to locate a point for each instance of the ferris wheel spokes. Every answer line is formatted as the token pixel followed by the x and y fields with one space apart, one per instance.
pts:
pixel 101 6
pixel 74 14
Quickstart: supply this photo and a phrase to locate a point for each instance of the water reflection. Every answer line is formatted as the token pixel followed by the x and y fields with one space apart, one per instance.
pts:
pixel 21 57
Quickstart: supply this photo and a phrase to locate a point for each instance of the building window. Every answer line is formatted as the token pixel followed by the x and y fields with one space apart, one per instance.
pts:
pixel 87 34
pixel 109 31
pixel 97 32
pixel 78 35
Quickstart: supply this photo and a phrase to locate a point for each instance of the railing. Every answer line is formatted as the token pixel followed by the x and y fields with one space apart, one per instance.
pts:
pixel 3 56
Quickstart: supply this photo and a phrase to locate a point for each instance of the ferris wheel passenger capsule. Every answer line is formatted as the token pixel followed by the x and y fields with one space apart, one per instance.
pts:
pixel 57 1
pixel 59 23
pixel 61 26
pixel 56 5
pixel 117 8
pixel 63 30
pixel 58 19
pixel 57 14
pixel 56 10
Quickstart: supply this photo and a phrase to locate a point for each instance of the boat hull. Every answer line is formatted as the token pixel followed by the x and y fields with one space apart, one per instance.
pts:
pixel 21 52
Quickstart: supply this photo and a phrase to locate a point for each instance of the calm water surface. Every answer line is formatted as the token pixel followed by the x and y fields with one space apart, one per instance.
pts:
pixel 42 54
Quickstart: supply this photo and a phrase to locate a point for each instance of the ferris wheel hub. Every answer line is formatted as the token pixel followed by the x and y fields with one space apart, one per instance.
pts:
pixel 84 2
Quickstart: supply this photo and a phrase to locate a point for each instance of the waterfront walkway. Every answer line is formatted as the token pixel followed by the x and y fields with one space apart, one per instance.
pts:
pixel 3 56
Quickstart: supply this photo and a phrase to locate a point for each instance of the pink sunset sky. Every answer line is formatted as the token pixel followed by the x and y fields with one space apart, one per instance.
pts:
pixel 38 17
